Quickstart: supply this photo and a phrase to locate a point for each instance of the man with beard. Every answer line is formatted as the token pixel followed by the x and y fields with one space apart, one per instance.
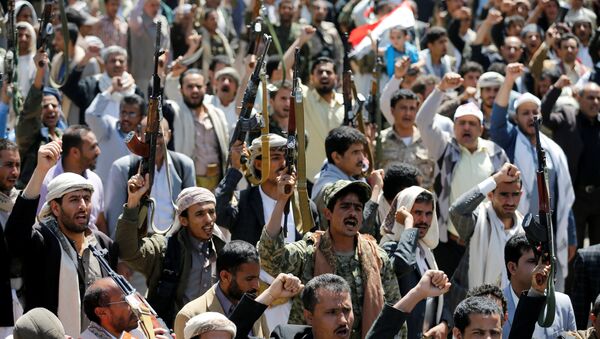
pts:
pixel 287 30
pixel 199 128
pixel 323 111
pixel 327 41
pixel 79 154
pixel 583 28
pixel 465 160
pixel 341 250
pixel 111 131
pixel 486 228
pixel 412 227
pixel 178 267
pixel 519 141
pixel 226 87
pixel 568 63
pixel 82 90
pixel 173 173
pixel 577 132
pixel 40 121
pixel 9 277
pixel 57 264
pixel 109 314
pixel 238 271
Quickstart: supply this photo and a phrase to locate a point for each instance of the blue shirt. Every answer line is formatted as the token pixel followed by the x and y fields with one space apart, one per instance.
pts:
pixel 391 54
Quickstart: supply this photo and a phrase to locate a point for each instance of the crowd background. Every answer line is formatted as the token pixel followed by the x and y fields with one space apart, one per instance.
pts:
pixel 459 84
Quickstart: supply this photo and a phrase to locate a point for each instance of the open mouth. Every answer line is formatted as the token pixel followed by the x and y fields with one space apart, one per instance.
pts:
pixel 342 332
pixel 81 217
pixel 225 89
pixel 351 222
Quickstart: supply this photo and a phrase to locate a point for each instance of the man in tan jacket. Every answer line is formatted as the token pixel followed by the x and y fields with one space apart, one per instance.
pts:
pixel 238 269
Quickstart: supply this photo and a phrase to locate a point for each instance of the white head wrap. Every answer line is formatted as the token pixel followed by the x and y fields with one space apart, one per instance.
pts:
pixel 407 198
pixel 275 141
pixel 61 185
pixel 207 322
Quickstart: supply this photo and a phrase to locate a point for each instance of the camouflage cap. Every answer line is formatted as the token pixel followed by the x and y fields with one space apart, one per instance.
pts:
pixel 333 190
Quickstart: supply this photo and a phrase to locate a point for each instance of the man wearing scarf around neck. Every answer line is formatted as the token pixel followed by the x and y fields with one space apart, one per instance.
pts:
pixel 486 227
pixel 57 264
pixel 9 279
pixel 341 250
pixel 182 266
pixel 412 227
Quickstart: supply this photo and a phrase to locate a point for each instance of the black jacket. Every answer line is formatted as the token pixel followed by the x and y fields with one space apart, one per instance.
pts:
pixel 245 220
pixel 6 311
pixel 40 252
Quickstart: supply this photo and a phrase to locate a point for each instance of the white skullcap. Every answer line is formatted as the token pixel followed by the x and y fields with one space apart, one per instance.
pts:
pixel 61 185
pixel 275 141
pixel 527 97
pixel 207 322
pixel 468 109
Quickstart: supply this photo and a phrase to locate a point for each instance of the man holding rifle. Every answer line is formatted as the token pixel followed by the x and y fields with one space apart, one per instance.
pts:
pixel 519 141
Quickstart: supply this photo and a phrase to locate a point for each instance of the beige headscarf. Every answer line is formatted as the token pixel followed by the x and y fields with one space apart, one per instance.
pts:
pixel 59 186
pixel 391 229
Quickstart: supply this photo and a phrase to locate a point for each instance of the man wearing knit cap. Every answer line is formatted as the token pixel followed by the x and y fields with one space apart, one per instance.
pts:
pixel 254 206
pixel 57 263
pixel 200 129
pixel 519 140
pixel 465 160
pixel 227 86
pixel 181 266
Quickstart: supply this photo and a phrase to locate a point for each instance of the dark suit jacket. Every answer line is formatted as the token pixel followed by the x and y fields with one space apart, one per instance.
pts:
pixel 408 274
pixel 6 311
pixel 292 332
pixel 41 252
pixel 245 220
pixel 526 316
pixel 585 286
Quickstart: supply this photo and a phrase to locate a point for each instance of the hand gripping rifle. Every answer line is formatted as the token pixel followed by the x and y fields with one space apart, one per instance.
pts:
pixel 11 60
pixel 148 319
pixel 353 117
pixel 540 232
pixel 147 148
pixel 245 121
pixel 46 31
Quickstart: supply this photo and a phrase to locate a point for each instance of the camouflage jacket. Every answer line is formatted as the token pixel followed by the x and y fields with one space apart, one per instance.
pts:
pixel 298 258
pixel 395 151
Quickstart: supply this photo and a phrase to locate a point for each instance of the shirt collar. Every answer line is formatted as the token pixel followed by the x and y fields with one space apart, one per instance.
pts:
pixel 227 305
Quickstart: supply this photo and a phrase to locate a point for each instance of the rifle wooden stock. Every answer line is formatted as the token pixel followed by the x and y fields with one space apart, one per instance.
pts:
pixel 347 85
pixel 149 320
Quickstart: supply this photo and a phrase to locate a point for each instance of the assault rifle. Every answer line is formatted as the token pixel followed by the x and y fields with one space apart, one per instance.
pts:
pixel 373 107
pixel 147 148
pixel 245 121
pixel 45 26
pixel 540 232
pixel 353 116
pixel 148 318
pixel 255 29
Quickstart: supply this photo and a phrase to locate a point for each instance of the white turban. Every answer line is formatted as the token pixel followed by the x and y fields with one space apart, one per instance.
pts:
pixel 207 322
pixel 61 185
pixel 275 141
pixel 188 197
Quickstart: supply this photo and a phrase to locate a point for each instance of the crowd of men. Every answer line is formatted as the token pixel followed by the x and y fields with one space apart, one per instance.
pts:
pixel 417 228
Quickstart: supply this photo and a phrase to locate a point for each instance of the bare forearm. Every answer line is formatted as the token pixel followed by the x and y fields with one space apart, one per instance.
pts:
pixel 273 227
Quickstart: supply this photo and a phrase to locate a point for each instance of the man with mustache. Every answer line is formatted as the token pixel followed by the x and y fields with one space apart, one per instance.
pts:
pixel 57 264
pixel 40 121
pixel 323 111
pixel 201 130
pixel 519 141
pixel 345 147
pixel 245 218
pixel 80 152
pixel 238 270
pixel 111 131
pixel 465 160
pixel 411 226
pixel 110 315
pixel 178 267
pixel 329 314
pixel 341 250
pixel 486 227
